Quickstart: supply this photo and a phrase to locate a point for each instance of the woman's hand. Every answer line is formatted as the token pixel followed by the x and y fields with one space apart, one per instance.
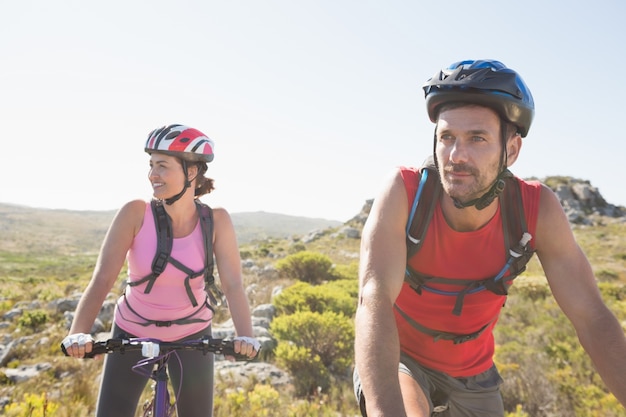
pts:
pixel 248 346
pixel 77 344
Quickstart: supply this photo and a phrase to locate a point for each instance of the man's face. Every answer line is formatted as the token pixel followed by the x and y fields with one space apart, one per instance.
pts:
pixel 468 149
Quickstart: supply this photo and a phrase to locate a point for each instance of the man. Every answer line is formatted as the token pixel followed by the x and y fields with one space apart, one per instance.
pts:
pixel 424 340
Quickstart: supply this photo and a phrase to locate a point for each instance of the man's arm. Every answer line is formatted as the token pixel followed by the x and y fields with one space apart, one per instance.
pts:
pixel 381 273
pixel 574 287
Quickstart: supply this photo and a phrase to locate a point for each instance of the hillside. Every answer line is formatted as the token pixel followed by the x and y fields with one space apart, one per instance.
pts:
pixel 47 256
pixel 40 230
pixel 260 225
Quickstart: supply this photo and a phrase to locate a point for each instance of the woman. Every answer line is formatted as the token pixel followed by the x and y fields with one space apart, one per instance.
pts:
pixel 172 304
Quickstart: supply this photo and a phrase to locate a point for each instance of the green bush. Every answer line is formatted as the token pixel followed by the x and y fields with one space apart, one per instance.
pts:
pixel 306 266
pixel 611 291
pixel 318 299
pixel 297 247
pixel 344 286
pixel 32 320
pixel 308 370
pixel 262 401
pixel 347 272
pixel 328 335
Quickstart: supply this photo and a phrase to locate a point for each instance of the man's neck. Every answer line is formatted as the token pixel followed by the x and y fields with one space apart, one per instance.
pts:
pixel 469 218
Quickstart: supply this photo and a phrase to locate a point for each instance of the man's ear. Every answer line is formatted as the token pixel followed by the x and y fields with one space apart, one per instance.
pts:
pixel 513 146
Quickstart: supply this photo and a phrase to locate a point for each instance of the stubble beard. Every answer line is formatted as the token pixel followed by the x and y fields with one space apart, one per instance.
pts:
pixel 470 187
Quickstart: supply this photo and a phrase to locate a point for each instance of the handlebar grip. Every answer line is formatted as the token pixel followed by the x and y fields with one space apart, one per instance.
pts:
pixel 227 348
pixel 97 348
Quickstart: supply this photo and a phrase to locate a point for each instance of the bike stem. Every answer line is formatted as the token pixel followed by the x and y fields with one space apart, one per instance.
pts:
pixel 161 402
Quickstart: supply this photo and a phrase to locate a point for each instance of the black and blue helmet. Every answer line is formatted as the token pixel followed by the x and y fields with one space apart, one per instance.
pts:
pixel 485 82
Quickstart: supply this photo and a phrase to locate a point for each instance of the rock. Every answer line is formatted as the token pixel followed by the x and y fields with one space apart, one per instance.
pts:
pixel 264 311
pixel 11 314
pixel 26 372
pixel 240 372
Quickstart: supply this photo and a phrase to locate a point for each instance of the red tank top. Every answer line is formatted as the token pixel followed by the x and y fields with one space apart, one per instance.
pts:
pixel 447 253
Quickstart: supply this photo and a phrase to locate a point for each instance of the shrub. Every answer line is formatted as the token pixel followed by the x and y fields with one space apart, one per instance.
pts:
pixel 347 272
pixel 306 266
pixel 328 335
pixel 612 291
pixel 297 247
pixel 307 367
pixel 261 401
pixel 318 299
pixel 606 275
pixel 344 286
pixel 33 320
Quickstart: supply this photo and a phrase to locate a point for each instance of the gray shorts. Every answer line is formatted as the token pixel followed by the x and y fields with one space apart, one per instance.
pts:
pixel 476 396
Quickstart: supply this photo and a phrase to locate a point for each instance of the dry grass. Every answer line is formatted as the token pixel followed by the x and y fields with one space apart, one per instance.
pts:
pixel 40 264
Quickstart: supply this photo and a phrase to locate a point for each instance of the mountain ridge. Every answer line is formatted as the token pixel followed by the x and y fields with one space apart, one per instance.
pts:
pixel 20 226
pixel 20 223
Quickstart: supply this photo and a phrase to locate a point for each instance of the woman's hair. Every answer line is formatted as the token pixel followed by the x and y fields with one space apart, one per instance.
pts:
pixel 204 185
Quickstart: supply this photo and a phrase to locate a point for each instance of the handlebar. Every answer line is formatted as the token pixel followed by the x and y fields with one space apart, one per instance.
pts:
pixel 125 344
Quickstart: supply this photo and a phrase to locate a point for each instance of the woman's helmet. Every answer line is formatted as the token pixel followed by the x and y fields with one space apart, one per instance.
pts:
pixel 181 141
pixel 486 82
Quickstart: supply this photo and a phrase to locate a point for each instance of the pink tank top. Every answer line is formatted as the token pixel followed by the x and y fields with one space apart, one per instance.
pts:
pixel 168 300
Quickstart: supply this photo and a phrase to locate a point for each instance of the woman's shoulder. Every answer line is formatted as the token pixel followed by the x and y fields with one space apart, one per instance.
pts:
pixel 135 206
pixel 221 214
pixel 221 219
pixel 132 214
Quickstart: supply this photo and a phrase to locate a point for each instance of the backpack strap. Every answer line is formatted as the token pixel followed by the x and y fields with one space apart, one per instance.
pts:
pixel 216 296
pixel 516 236
pixel 165 237
pixel 441 335
pixel 188 319
pixel 206 223
pixel 426 197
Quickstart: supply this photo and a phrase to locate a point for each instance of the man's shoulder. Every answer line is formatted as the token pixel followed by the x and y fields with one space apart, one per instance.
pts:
pixel 530 184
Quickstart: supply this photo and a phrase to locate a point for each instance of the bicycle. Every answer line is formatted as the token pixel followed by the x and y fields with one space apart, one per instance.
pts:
pixel 157 354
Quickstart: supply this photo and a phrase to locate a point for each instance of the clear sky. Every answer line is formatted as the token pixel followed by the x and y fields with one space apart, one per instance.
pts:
pixel 310 103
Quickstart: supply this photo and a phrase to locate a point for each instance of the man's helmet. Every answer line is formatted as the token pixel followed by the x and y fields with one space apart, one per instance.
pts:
pixel 485 82
pixel 181 141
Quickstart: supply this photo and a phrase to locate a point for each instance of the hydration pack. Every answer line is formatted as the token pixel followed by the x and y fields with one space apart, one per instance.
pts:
pixel 163 256
pixel 516 239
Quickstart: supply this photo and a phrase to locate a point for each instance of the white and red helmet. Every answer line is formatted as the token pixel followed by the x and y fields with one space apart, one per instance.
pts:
pixel 181 141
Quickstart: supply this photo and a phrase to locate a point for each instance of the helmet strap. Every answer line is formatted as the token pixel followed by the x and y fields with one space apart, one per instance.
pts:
pixel 172 200
pixel 486 199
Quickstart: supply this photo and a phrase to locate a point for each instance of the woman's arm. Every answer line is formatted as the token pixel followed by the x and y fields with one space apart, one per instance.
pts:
pixel 229 269
pixel 117 241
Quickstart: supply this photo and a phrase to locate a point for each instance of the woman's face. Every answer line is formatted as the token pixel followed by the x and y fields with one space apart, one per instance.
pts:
pixel 166 175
